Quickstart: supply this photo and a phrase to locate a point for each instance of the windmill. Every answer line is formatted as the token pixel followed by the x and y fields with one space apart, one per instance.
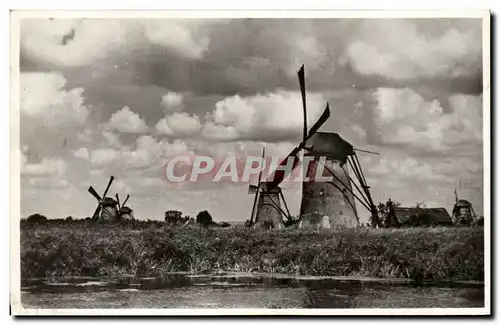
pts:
pixel 124 212
pixel 463 212
pixel 267 210
pixel 106 206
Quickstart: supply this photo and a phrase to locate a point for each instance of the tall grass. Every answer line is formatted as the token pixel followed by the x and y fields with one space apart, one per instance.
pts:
pixel 151 249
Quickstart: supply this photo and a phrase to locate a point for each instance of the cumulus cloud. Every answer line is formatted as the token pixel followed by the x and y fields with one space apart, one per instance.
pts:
pixel 126 121
pixel 47 167
pixel 396 49
pixel 49 183
pixel 180 124
pixel 273 116
pixel 172 102
pixel 43 98
pixel 182 36
pixel 111 139
pixel 68 42
pixel 104 157
pixel 407 168
pixel 82 153
pixel 404 117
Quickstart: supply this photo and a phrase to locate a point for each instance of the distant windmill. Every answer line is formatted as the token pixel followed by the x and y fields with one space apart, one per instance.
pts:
pixel 106 206
pixel 124 212
pixel 463 212
pixel 267 210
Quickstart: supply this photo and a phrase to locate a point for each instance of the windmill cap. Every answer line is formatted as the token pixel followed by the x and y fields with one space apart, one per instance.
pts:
pixel 463 203
pixel 125 209
pixel 329 144
pixel 108 201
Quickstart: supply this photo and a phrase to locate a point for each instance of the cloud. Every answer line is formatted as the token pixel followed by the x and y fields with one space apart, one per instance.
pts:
pixel 44 99
pixel 67 42
pixel 407 168
pixel 172 102
pixel 182 36
pixel 104 157
pixel 126 121
pixel 180 124
pixel 272 117
pixel 49 183
pixel 47 167
pixel 395 48
pixel 82 153
pixel 405 118
pixel 111 139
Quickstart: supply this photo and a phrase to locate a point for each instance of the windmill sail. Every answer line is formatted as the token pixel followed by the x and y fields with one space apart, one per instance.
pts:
pixel 254 189
pixel 280 174
pixel 302 82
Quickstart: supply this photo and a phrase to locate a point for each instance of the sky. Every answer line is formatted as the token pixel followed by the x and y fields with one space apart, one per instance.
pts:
pixel 121 97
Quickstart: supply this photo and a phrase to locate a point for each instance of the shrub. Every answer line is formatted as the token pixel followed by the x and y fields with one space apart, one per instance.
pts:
pixel 204 218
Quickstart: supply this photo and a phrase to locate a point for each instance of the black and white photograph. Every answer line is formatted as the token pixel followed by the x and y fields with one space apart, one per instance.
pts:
pixel 267 163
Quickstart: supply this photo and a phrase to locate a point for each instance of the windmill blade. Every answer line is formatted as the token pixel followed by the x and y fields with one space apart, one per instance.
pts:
pixel 302 83
pixel 322 119
pixel 126 199
pixel 107 188
pixel 96 212
pixel 279 175
pixel 95 194
pixel 255 189
pixel 261 167
pixel 366 151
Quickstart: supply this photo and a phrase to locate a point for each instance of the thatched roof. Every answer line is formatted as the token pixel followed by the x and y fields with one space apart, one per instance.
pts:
pixel 331 145
pixel 108 201
pixel 125 209
pixel 463 204
pixel 423 215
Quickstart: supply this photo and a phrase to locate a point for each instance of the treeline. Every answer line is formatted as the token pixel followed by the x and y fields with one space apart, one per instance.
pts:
pixel 172 218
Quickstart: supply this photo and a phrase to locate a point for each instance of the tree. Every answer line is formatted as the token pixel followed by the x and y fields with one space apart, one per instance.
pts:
pixel 37 218
pixel 204 218
pixel 387 213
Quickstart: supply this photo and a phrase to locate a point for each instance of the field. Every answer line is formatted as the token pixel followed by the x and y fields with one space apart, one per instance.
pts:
pixel 81 248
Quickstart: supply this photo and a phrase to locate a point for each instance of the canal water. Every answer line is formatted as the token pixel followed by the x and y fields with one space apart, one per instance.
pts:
pixel 246 291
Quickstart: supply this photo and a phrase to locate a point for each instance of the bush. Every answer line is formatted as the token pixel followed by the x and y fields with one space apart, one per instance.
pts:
pixel 204 218
pixel 37 218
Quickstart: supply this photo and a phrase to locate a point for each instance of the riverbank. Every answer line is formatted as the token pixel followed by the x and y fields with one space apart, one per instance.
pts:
pixel 150 250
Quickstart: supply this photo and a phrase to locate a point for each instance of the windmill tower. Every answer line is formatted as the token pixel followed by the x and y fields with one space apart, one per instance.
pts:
pixel 267 211
pixel 328 191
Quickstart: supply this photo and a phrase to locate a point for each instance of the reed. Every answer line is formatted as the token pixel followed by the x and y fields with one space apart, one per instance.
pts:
pixel 81 248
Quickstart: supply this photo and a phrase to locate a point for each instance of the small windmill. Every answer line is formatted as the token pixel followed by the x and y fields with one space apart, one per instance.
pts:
pixel 267 210
pixel 124 212
pixel 106 206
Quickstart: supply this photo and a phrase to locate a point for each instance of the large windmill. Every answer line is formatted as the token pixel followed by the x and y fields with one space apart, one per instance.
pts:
pixel 325 201
pixel 267 210
pixel 106 206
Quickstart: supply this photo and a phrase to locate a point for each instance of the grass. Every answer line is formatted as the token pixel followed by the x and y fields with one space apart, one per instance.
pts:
pixel 81 248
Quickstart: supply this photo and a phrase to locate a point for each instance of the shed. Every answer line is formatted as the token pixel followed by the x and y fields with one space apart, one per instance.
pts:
pixel 423 216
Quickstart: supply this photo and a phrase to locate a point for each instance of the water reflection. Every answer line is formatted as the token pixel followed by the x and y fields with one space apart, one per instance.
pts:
pixel 237 291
